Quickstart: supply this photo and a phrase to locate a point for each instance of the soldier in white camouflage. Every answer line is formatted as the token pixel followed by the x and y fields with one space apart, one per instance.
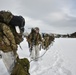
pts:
pixel 9 38
pixel 34 39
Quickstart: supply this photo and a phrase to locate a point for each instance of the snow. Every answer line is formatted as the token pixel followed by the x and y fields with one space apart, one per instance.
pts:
pixel 3 70
pixel 58 60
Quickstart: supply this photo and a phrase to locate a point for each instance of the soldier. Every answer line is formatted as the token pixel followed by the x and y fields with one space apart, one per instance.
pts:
pixel 34 39
pixel 10 38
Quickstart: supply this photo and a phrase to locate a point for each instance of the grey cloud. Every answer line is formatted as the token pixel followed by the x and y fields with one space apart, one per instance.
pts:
pixel 40 9
pixel 11 5
pixel 71 22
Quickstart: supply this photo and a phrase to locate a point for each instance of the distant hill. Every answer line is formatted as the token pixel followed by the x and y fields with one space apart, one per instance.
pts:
pixel 72 35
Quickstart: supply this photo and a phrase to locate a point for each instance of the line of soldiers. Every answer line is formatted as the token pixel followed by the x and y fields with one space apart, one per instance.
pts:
pixel 10 38
pixel 34 39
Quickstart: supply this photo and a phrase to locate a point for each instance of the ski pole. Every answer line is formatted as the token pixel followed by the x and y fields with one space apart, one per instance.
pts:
pixel 20 47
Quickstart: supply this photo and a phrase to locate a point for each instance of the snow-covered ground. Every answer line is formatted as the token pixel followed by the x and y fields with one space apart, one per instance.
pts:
pixel 58 60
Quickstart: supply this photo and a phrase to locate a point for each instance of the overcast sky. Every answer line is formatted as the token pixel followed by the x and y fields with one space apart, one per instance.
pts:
pixel 56 16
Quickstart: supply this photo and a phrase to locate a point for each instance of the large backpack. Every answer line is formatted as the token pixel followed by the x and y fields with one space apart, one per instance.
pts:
pixel 48 40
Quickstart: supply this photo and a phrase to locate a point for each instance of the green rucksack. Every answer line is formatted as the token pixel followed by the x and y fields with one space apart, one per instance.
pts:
pixel 21 67
pixel 5 16
pixel 48 40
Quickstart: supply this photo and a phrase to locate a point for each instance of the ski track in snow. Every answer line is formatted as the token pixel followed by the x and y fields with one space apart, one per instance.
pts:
pixel 52 63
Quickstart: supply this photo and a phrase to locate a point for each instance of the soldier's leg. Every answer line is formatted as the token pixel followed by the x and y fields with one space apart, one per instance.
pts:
pixel 32 54
pixel 37 49
pixel 9 60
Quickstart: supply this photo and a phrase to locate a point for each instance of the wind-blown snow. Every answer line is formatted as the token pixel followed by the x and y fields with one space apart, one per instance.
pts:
pixel 58 60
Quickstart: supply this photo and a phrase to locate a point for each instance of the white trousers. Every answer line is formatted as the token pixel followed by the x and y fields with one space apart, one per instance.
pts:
pixel 35 52
pixel 9 60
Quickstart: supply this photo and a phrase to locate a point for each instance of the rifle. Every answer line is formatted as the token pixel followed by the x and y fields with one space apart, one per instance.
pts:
pixel 31 45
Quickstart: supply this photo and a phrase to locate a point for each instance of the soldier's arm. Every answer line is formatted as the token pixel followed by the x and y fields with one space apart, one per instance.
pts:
pixel 29 38
pixel 40 39
pixel 8 33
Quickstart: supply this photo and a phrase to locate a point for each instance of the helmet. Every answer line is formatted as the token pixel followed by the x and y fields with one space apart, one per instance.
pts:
pixel 36 28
